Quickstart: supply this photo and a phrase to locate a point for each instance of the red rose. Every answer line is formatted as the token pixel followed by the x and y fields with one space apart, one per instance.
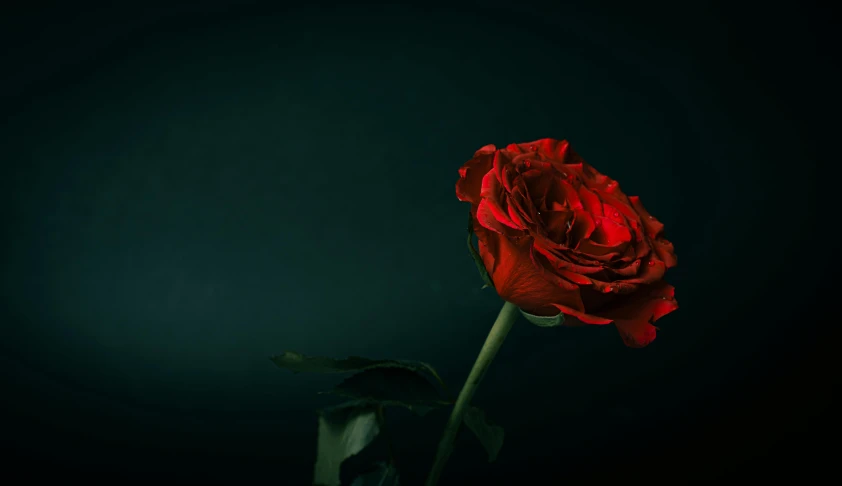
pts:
pixel 556 235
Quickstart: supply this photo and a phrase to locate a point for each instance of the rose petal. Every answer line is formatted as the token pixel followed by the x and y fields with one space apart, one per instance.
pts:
pixel 582 316
pixel 559 263
pixel 556 198
pixel 634 313
pixel 624 271
pixel 665 252
pixel 618 200
pixel 502 215
pixel 592 178
pixel 574 169
pixel 515 148
pixel 637 333
pixel 538 183
pixel 613 213
pixel 609 233
pixel 594 249
pixel 604 286
pixel 582 258
pixel 509 175
pixel 518 279
pixel 650 272
pixel 653 226
pixel 501 159
pixel 486 149
pixel 485 217
pixel 558 151
pixel 557 224
pixel 574 277
pixel 490 187
pixel 536 195
pixel 538 260
pixel 570 194
pixel 590 201
pixel 515 216
pixel 642 247
pixel 546 257
pixel 581 228
pixel 623 287
pixel 469 185
pixel 520 200
pixel 612 187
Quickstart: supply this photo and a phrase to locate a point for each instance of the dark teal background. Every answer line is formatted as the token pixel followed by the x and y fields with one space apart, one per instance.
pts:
pixel 188 191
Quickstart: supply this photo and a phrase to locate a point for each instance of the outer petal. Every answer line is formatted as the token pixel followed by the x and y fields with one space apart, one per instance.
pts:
pixel 665 252
pixel 633 317
pixel 558 151
pixel 486 217
pixel 637 333
pixel 582 316
pixel 486 149
pixel 518 279
pixel 469 185
pixel 653 227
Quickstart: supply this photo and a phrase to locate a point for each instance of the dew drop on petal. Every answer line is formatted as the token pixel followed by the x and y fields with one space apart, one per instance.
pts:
pixel 533 148
pixel 616 214
pixel 608 289
pixel 651 262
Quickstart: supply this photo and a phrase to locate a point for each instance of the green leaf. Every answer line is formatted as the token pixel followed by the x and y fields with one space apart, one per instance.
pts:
pixel 393 386
pixel 475 254
pixel 490 435
pixel 344 430
pixel 299 363
pixel 384 475
pixel 541 321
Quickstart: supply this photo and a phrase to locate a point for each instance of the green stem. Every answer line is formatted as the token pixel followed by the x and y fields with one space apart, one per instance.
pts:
pixel 507 317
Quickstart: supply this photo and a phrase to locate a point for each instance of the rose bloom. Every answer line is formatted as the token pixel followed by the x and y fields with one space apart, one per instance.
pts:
pixel 557 236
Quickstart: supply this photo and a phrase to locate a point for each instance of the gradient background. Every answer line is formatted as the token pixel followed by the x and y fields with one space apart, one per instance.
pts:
pixel 189 190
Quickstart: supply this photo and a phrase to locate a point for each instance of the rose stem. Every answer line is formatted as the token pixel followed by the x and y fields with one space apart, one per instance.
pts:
pixel 507 317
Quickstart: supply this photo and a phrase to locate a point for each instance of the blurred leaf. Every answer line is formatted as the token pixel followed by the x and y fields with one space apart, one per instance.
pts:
pixel 383 475
pixel 490 435
pixel 475 254
pixel 393 386
pixel 344 430
pixel 541 321
pixel 299 363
